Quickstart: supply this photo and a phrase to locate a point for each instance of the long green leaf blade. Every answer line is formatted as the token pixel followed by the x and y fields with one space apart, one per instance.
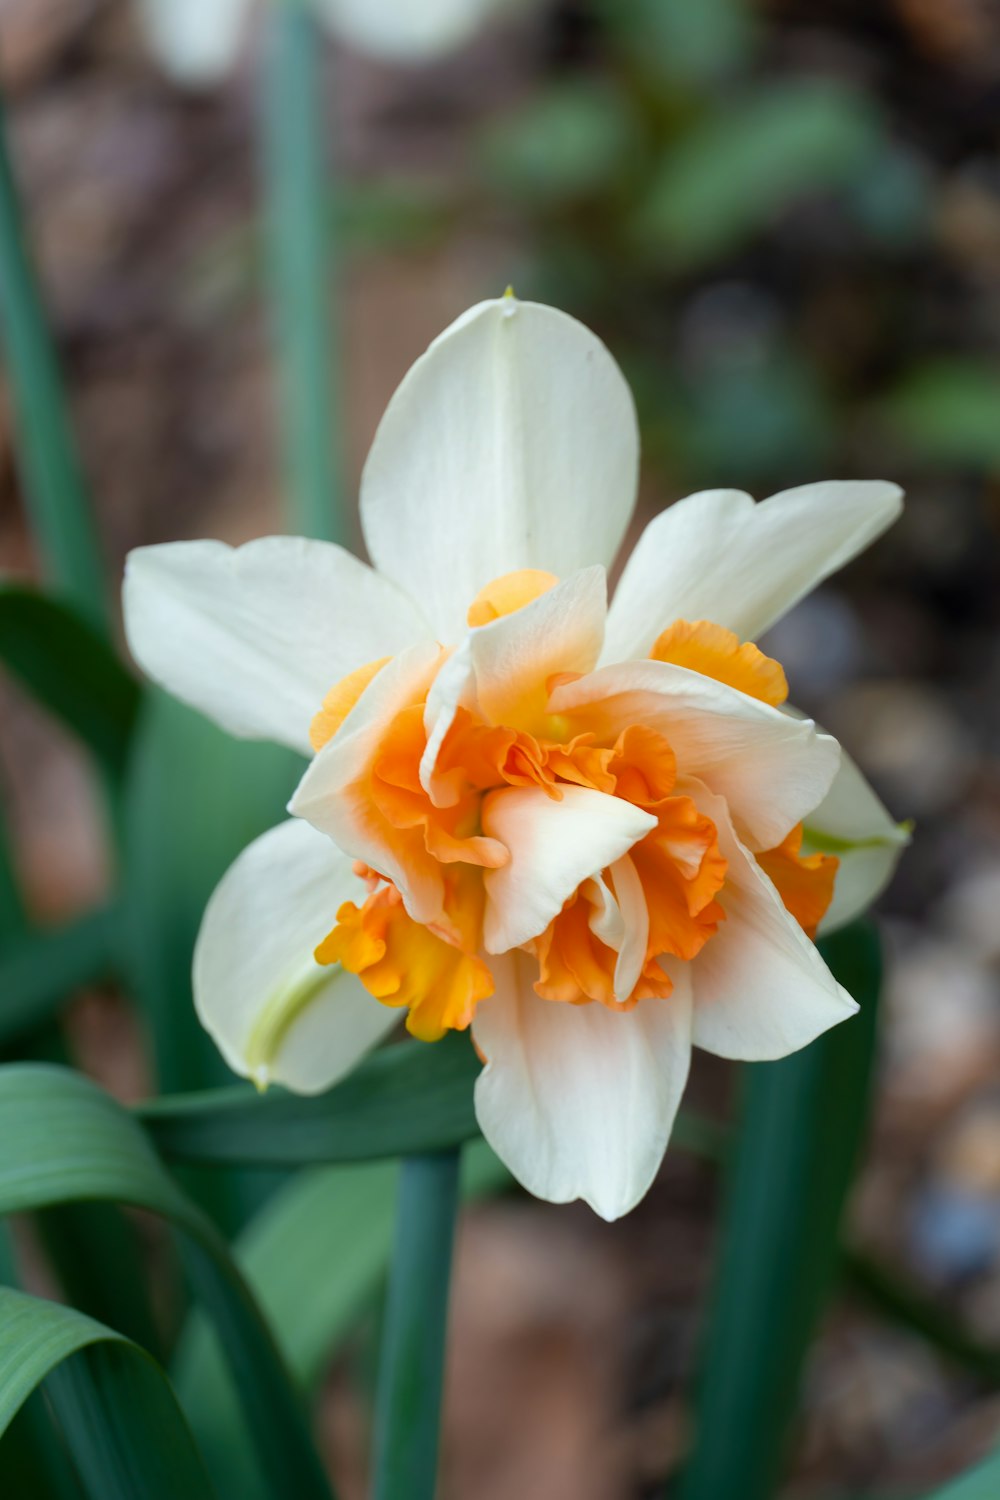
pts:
pixel 803 1124
pixel 63 1141
pixel 413 1096
pixel 297 196
pixel 126 1433
pixel 980 1483
pixel 69 667
pixel 46 450
pixel 411 1366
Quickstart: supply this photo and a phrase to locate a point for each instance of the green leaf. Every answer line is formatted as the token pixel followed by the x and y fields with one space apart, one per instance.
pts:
pixel 573 140
pixel 889 1292
pixel 803 1124
pixel 297 190
pixel 68 666
pixel 120 1418
pixel 338 1217
pixel 412 1096
pixel 946 411
pixel 64 1141
pixel 40 970
pixel 981 1483
pixel 687 45
pixel 411 1364
pixel 46 451
pixel 736 170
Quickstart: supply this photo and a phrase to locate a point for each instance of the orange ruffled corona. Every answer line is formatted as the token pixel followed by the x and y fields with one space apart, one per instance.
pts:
pixel 662 895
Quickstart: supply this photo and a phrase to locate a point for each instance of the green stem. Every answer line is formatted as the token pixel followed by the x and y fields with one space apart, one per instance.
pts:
pixel 53 480
pixel 408 1409
pixel 297 193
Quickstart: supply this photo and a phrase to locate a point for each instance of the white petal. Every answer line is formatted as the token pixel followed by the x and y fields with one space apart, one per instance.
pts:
pixel 635 927
pixel 408 31
pixel 771 768
pixel 197 41
pixel 501 670
pixel 254 955
pixel 561 631
pixel 255 636
pixel 718 556
pixel 852 823
pixel 553 847
pixel 512 443
pixel 761 989
pixel 332 794
pixel 578 1100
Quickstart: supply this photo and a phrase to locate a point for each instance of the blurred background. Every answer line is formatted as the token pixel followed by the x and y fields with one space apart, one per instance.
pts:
pixel 784 219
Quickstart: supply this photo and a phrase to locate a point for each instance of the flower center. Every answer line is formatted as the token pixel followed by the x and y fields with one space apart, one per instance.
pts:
pixel 662 900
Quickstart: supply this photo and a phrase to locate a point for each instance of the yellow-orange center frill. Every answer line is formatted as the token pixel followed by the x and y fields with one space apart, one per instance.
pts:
pixel 670 879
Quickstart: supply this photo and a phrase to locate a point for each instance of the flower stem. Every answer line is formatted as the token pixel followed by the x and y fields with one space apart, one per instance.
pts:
pixel 53 481
pixel 408 1407
pixel 297 200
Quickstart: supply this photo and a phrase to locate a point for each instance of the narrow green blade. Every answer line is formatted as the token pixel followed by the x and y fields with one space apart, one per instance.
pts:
pixel 980 1483
pixel 126 1433
pixel 64 1141
pixel 298 191
pixel 45 447
pixel 412 1096
pixel 315 1257
pixel 411 1365
pixel 803 1123
pixel 69 667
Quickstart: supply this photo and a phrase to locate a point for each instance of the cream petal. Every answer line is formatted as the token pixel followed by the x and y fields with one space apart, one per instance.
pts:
pixel 408 31
pixel 513 657
pixel 512 443
pixel 274 1012
pixel 579 1100
pixel 553 847
pixel 255 636
pixel 333 794
pixel 761 989
pixel 718 556
pixel 852 823
pixel 631 949
pixel 772 769
pixel 197 41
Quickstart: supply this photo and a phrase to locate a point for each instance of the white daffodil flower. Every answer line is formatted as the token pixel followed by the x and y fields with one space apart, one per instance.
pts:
pixel 592 834
pixel 198 41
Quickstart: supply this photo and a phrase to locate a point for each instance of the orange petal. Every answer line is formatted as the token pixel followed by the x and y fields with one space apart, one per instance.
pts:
pixel 716 652
pixel 509 592
pixel 804 882
pixel 340 700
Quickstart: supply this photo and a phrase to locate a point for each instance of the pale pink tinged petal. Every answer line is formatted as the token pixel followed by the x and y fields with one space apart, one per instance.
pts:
pixel 512 443
pixel 761 989
pixel 579 1100
pixel 772 769
pixel 333 794
pixel 254 960
pixel 255 636
pixel 553 847
pixel 718 556
pixel 514 657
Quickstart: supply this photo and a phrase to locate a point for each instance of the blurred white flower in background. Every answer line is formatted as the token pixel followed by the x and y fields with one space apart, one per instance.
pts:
pixel 198 41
